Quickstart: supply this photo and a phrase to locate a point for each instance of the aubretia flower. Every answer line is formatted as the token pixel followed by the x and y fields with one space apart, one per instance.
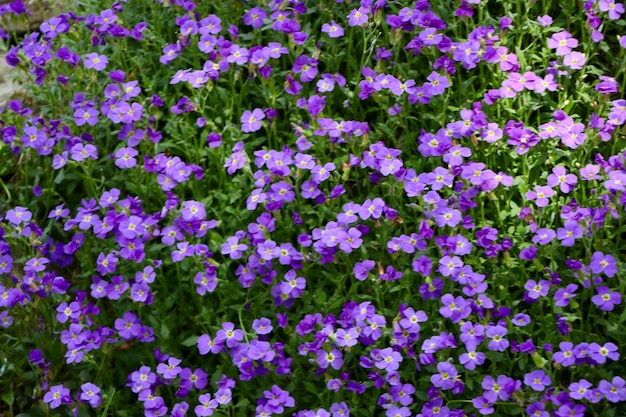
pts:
pixel 333 29
pixel 358 17
pixel 91 393
pixel 361 269
pixel 125 158
pixel 334 359
pixel 57 395
pixel 445 378
pixel 606 299
pixel 537 380
pixel 537 289
pixel 87 115
pixel 563 42
pixel 614 9
pixel 568 234
pixel 18 215
pixel 614 391
pixel 95 61
pixel 545 20
pixel 563 295
pixel 170 369
pixel 575 60
pixel 560 177
pixel 601 263
pixel 497 343
pixel 251 120
pixel 607 85
pixel 541 195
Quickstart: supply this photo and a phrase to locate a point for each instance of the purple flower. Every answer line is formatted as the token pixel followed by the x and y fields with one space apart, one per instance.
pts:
pixel 333 29
pixel 233 248
pixel 87 115
pixel 358 17
pixel 537 289
pixel 606 299
pixel 170 369
pixel 251 120
pixel 262 325
pixel 81 152
pixel 614 391
pixel 193 210
pixel 544 236
pixel 568 234
pixel 607 85
pixel 541 195
pixel 579 390
pixel 18 215
pixel 254 17
pixel 128 327
pixel 207 405
pixel 95 61
pixel 497 343
pixel 91 394
pixel 545 20
pixel 560 177
pixel 563 295
pixel 66 312
pixel 563 42
pixel 483 405
pixel 565 356
pixel 614 9
pixel 334 359
pixel 537 380
pixel 388 359
pixel 445 378
pixel 601 263
pixel 57 395
pixel 575 60
pixel 125 158
pixel 229 335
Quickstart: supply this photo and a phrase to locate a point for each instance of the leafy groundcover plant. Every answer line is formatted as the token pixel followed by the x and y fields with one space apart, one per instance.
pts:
pixel 315 208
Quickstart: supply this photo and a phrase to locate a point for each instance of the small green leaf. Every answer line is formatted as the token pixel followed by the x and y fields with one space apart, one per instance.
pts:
pixel 165 331
pixel 190 341
pixel 8 397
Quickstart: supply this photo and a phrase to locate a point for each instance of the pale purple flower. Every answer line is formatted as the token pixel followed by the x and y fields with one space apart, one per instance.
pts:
pixel 90 393
pixel 537 289
pixel 560 177
pixel 87 115
pixel 445 378
pixel 57 395
pixel 333 29
pixel 601 263
pixel 541 195
pixel 575 60
pixel 563 42
pixel 606 299
pixel 614 9
pixel 537 380
pixel 170 369
pixel 568 234
pixel 358 17
pixel 95 61
pixel 125 158
pixel 545 20
pixel 251 120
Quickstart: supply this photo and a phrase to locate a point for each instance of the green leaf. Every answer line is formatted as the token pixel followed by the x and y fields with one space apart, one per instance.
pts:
pixel 190 341
pixel 320 296
pixel 165 331
pixel 8 397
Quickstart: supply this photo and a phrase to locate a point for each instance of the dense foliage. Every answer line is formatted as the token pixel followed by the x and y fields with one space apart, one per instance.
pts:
pixel 315 208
